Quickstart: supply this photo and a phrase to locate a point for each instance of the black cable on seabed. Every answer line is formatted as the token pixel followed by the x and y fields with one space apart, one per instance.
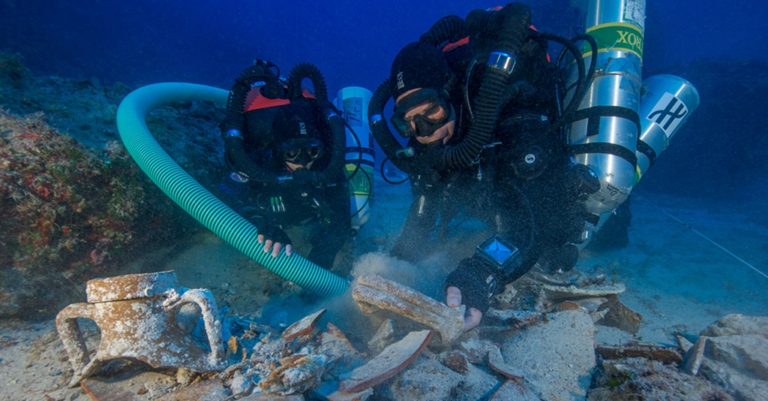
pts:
pixel 702 235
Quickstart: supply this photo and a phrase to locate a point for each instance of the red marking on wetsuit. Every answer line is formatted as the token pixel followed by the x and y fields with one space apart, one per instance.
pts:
pixel 453 45
pixel 256 101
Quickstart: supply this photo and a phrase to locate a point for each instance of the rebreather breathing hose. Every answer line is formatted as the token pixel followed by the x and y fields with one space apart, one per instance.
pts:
pixel 191 196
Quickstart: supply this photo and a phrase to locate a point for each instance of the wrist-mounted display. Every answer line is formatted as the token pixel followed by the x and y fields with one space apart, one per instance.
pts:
pixel 501 254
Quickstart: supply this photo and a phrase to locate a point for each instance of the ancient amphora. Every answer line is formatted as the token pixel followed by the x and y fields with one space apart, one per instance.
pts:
pixel 136 315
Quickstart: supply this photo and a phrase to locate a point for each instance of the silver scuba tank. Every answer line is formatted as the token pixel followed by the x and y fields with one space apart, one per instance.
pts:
pixel 606 125
pixel 667 103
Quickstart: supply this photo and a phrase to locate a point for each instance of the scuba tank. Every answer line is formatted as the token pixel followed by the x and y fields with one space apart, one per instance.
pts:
pixel 623 124
pixel 667 103
pixel 359 154
pixel 606 126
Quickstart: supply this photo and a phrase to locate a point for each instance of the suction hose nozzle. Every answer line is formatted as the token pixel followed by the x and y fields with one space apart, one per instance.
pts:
pixel 194 198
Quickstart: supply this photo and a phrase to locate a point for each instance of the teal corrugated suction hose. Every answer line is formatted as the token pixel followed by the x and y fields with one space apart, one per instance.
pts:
pixel 196 200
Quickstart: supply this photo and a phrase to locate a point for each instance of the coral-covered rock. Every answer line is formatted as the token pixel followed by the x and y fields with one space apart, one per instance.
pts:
pixel 65 212
pixel 72 203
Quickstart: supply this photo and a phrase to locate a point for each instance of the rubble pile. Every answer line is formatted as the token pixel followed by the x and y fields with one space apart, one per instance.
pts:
pixel 545 352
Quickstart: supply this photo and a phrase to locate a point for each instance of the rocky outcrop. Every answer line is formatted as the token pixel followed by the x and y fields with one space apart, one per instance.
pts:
pixel 72 202
pixel 645 379
pixel 733 352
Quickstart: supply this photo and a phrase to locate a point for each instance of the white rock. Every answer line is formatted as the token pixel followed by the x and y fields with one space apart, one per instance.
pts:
pixel 543 354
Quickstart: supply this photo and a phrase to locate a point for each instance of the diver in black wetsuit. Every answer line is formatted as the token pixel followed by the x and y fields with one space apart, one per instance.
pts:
pixel 477 100
pixel 285 147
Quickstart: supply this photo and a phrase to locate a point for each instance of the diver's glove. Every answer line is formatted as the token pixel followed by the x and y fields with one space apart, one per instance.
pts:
pixel 477 281
pixel 270 231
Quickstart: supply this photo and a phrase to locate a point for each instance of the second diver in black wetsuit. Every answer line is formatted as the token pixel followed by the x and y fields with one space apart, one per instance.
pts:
pixel 285 147
pixel 477 100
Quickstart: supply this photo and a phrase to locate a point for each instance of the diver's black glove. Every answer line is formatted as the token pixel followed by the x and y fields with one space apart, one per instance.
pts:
pixel 271 231
pixel 476 279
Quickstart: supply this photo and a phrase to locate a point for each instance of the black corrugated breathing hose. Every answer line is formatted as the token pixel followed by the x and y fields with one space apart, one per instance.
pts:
pixel 500 68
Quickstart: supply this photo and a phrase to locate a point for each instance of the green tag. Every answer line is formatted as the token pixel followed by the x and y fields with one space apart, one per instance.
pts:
pixel 361 183
pixel 616 36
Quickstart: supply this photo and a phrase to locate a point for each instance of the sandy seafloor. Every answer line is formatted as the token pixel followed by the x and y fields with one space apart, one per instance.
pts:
pixel 676 279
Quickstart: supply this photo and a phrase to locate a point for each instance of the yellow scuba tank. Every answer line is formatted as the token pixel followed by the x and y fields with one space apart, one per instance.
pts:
pixel 353 102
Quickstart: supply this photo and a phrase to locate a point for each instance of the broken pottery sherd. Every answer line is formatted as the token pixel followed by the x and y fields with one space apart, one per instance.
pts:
pixel 303 327
pixel 335 344
pixel 558 293
pixel 648 351
pixel 619 316
pixel 296 374
pixel 388 363
pixel 373 292
pixel 384 336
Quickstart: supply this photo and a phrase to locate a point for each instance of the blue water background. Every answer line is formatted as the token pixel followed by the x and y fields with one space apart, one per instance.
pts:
pixel 722 151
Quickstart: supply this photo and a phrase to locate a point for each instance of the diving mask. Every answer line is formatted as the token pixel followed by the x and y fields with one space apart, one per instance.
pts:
pixel 436 111
pixel 301 151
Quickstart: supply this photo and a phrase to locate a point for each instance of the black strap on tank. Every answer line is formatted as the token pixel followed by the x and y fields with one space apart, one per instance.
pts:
pixel 647 150
pixel 593 114
pixel 606 148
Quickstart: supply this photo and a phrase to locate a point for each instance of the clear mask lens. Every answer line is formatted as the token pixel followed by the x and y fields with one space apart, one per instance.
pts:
pixel 428 120
pixel 302 152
